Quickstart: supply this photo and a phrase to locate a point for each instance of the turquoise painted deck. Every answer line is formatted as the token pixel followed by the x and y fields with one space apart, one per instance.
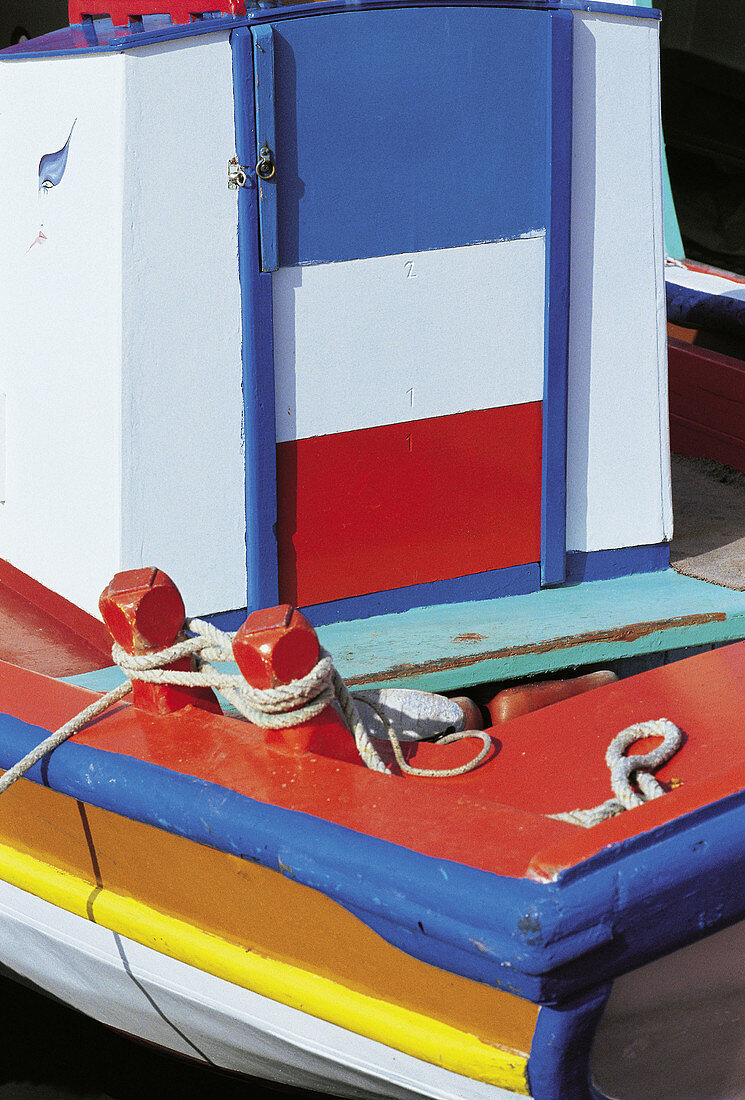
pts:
pixel 445 648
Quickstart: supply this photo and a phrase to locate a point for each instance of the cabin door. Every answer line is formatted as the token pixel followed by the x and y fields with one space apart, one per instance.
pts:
pixel 405 221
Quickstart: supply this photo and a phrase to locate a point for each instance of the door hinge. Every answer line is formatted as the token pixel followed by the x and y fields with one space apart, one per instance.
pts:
pixel 238 176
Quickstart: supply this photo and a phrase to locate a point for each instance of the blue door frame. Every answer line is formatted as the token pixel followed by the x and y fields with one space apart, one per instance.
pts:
pixel 252 63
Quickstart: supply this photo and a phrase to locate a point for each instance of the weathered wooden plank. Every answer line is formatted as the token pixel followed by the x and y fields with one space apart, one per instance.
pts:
pixel 518 636
pixel 458 645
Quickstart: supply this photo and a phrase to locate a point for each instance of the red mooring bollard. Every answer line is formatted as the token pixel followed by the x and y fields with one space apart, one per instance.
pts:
pixel 144 612
pixel 275 646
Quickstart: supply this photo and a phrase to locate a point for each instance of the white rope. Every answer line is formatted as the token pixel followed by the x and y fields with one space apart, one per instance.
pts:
pixel 289 705
pixel 434 773
pixel 62 734
pixel 281 707
pixel 625 769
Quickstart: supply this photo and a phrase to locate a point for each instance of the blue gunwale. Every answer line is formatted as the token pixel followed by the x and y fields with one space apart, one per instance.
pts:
pixel 547 941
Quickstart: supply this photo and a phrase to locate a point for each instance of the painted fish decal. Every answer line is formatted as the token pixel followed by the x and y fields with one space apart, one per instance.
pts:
pixel 52 166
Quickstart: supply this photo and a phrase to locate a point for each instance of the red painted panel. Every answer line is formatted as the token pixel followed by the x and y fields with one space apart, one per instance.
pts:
pixel 403 504
pixel 180 11
pixel 44 631
pixel 707 404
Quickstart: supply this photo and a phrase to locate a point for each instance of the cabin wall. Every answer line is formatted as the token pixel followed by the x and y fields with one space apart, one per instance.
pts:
pixel 182 472
pixel 60 319
pixel 618 466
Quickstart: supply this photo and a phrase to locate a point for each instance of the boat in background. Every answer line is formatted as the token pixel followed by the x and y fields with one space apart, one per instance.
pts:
pixel 289 322
pixel 703 88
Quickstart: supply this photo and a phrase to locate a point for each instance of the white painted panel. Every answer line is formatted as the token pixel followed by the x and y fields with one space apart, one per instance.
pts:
pixel 166 1002
pixel 182 404
pixel 618 491
pixel 60 309
pixel 3 446
pixel 396 338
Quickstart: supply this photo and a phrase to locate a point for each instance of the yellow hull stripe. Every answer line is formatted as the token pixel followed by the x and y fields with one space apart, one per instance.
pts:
pixel 410 1032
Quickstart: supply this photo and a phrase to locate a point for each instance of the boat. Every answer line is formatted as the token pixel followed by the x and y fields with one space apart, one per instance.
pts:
pixel 320 399
pixel 20 21
pixel 702 84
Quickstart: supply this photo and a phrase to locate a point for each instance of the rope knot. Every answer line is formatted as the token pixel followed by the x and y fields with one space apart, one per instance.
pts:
pixel 624 769
pixel 638 769
pixel 280 707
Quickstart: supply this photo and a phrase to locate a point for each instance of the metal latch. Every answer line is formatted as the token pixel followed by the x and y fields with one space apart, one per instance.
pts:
pixel 237 174
pixel 265 167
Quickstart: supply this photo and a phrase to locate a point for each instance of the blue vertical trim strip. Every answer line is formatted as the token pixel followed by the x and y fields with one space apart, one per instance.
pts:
pixel 559 1062
pixel 258 352
pixel 263 37
pixel 559 106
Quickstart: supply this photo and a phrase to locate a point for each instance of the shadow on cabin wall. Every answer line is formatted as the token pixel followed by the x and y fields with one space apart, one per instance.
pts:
pixel 703 109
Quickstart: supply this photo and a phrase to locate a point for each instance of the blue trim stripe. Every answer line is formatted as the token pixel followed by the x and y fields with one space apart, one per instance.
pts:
pixel 602 565
pixel 558 247
pixel 101 37
pixel 515 581
pixel 257 354
pixel 546 941
pixel 518 580
pixel 264 99
pixel 697 308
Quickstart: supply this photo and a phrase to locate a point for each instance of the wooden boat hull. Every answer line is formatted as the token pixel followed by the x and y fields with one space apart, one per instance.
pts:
pixel 426 971
pixel 150 996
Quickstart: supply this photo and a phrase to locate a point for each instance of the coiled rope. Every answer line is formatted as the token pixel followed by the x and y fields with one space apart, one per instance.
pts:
pixel 282 707
pixel 625 769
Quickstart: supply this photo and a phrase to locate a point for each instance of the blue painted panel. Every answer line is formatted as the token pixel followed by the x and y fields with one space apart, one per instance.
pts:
pixel 601 565
pixel 263 39
pixel 257 352
pixel 405 130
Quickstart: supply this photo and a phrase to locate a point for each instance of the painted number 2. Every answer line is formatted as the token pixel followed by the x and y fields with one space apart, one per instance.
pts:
pixel 410 272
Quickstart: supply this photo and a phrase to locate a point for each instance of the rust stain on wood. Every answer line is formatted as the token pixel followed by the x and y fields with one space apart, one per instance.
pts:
pixel 629 633
pixel 469 638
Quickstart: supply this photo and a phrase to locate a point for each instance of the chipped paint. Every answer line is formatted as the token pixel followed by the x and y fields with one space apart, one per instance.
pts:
pixel 629 633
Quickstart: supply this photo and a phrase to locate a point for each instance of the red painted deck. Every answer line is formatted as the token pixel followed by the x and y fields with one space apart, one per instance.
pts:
pixel 545 762
pixel 44 632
